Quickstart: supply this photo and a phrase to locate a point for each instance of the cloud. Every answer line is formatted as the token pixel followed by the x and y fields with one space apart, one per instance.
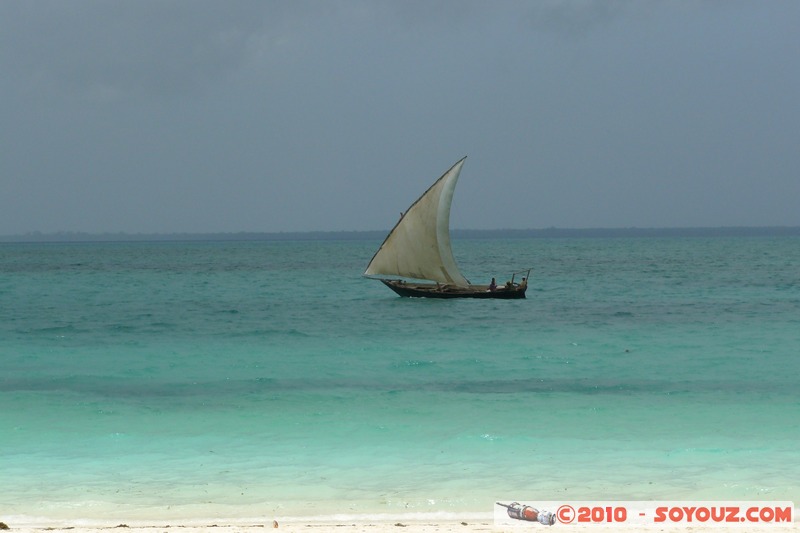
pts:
pixel 572 17
pixel 118 49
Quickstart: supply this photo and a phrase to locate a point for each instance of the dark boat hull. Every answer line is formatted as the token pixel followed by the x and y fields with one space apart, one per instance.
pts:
pixel 429 290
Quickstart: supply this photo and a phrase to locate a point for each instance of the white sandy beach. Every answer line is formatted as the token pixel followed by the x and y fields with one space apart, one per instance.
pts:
pixel 293 525
pixel 364 525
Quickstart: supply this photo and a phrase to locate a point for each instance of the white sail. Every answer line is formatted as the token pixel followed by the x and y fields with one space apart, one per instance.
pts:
pixel 419 245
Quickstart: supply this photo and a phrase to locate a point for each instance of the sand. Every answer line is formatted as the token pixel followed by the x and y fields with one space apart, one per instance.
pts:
pixel 297 525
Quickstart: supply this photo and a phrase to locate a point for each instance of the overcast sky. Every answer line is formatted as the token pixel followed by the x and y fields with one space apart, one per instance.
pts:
pixel 224 116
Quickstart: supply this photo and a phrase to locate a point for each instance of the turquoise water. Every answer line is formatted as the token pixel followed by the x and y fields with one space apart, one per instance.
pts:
pixel 243 379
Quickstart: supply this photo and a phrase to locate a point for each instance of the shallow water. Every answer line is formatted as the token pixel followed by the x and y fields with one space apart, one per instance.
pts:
pixel 242 378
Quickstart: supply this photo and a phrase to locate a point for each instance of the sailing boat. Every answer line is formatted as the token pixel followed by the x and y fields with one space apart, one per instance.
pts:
pixel 418 251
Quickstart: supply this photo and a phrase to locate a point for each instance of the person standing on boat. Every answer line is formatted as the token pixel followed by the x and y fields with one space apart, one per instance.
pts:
pixel 493 285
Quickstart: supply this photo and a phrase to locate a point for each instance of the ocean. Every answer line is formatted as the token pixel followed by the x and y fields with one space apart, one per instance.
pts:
pixel 174 380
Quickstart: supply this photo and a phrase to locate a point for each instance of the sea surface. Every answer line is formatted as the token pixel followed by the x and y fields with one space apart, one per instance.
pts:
pixel 178 380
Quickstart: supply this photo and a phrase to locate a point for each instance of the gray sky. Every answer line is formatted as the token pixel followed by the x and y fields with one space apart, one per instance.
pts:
pixel 206 116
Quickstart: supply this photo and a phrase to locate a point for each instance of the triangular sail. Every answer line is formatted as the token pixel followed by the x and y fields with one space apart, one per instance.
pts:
pixel 418 246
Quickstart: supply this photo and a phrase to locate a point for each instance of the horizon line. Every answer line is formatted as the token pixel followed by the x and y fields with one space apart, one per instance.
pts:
pixel 552 231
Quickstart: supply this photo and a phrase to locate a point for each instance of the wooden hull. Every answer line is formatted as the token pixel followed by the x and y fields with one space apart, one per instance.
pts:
pixel 430 290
